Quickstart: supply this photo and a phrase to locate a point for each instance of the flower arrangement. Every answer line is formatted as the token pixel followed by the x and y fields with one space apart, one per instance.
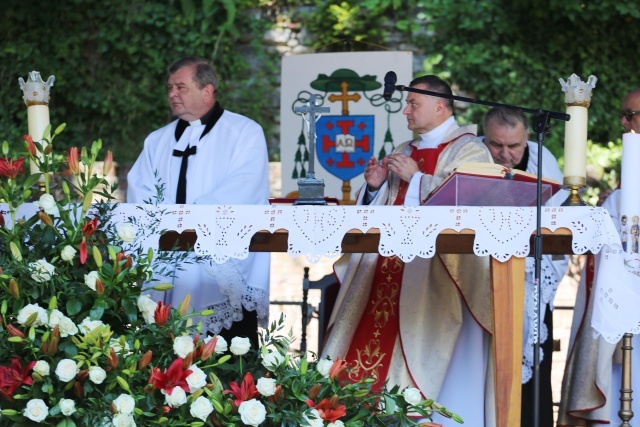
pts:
pixel 81 344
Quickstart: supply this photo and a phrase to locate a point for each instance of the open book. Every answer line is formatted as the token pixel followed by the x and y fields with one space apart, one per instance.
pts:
pixel 490 184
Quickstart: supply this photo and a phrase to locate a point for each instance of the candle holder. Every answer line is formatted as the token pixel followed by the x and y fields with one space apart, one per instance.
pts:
pixel 577 100
pixel 574 184
pixel 36 94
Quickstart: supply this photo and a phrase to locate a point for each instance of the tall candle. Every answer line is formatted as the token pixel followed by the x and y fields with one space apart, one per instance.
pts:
pixel 36 97
pixel 575 143
pixel 577 99
pixel 630 199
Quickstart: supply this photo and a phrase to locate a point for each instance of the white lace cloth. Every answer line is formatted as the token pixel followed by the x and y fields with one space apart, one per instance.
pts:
pixel 225 232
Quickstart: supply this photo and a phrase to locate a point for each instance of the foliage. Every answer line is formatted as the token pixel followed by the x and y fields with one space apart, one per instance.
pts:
pixel 81 344
pixel 510 52
pixel 110 60
pixel 515 52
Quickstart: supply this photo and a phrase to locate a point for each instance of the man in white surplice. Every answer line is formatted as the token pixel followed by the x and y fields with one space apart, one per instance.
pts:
pixel 506 134
pixel 209 156
pixel 425 323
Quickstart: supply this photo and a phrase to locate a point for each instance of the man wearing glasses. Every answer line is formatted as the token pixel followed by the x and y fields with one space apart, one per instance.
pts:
pixel 591 384
pixel 630 113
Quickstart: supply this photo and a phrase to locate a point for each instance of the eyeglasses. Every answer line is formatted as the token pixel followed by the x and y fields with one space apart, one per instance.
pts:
pixel 628 114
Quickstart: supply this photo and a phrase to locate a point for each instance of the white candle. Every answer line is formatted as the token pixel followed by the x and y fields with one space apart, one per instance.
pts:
pixel 629 196
pixel 577 99
pixel 575 144
pixel 38 119
pixel 36 97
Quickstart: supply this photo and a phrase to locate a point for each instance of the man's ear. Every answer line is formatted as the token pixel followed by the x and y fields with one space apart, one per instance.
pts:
pixel 209 92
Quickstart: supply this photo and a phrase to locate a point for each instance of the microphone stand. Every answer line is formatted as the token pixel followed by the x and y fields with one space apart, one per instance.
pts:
pixel 541 125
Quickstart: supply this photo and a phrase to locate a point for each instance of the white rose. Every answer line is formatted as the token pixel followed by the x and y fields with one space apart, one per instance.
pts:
pixel 127 232
pixel 221 345
pixel 240 345
pixel 36 410
pixel 66 370
pixel 67 327
pixel 312 418
pixel 67 406
pixel 272 360
pixel 183 345
pixel 178 397
pixel 68 253
pixel 336 423
pixel 324 366
pixel 123 420
pixel 201 408
pixel 125 404
pixel 412 395
pixel 196 379
pixel 266 386
pixel 97 374
pixel 42 368
pixel 55 317
pixel 252 412
pixel 41 270
pixel 147 307
pixel 48 204
pixel 25 313
pixel 87 325
pixel 90 280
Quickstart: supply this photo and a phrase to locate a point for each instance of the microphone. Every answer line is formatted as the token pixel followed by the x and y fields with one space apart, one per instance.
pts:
pixel 390 80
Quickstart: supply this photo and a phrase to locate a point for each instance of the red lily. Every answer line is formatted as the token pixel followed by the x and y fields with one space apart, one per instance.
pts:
pixel 161 315
pixel 15 332
pixel 244 392
pixel 11 168
pixel 89 227
pixel 1 220
pixel 13 377
pixel 83 250
pixel 208 348
pixel 175 376
pixel 331 409
pixel 30 146
pixel 72 159
pixel 337 369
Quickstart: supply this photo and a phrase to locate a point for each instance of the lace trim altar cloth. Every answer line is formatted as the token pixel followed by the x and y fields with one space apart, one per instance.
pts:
pixel 225 232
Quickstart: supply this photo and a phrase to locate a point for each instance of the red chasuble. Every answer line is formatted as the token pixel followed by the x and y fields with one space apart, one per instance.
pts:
pixel 372 347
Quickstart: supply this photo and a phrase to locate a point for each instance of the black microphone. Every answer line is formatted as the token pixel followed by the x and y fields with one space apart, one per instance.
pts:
pixel 390 80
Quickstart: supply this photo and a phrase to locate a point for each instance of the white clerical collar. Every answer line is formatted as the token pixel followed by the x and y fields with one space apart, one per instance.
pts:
pixel 195 123
pixel 435 137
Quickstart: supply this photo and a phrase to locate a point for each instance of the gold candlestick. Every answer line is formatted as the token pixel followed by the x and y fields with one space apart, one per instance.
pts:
pixel 577 99
pixel 36 97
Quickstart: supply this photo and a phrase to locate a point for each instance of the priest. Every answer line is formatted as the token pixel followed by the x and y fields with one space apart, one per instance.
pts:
pixel 506 134
pixel 426 323
pixel 210 156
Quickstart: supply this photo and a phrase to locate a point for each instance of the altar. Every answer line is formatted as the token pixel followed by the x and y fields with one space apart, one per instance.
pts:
pixel 505 234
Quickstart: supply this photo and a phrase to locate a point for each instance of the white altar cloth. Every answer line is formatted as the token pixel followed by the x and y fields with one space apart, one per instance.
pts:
pixel 225 232
pixel 315 231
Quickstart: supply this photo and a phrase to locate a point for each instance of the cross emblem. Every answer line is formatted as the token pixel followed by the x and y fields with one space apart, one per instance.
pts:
pixel 344 97
pixel 313 110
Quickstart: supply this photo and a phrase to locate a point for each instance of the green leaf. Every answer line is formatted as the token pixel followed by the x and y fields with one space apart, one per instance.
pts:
pixel 73 306
pixel 97 311
pixel 389 405
pixel 131 310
